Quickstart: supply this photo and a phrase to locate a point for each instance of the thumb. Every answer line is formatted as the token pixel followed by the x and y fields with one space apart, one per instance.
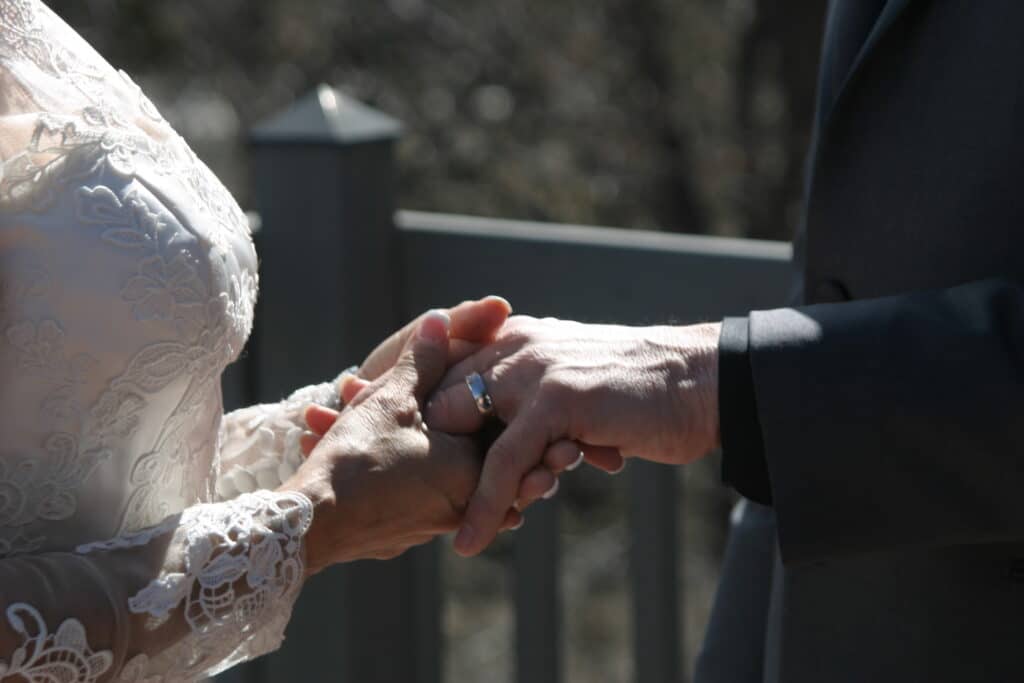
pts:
pixel 424 359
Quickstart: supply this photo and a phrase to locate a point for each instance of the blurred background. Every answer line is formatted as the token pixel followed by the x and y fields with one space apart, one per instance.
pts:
pixel 683 115
pixel 670 115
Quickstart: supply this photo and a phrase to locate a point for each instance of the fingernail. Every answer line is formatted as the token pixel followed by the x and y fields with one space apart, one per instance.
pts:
pixel 575 463
pixel 517 527
pixel 621 467
pixel 502 299
pixel 464 539
pixel 435 326
pixel 550 493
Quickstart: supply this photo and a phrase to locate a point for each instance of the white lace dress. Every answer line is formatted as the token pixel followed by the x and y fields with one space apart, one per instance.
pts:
pixel 127 283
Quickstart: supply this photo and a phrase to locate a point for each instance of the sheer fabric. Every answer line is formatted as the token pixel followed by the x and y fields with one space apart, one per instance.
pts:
pixel 140 537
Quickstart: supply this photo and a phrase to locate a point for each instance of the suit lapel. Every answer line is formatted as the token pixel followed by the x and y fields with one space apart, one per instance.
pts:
pixel 888 16
pixel 890 13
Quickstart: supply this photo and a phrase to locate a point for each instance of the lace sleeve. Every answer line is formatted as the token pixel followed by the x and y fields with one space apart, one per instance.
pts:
pixel 175 602
pixel 259 444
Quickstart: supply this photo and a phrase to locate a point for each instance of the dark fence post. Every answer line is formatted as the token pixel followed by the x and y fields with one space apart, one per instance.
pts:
pixel 450 257
pixel 329 290
pixel 657 641
pixel 538 596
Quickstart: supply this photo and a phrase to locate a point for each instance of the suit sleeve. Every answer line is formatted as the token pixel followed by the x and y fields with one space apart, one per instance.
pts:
pixel 894 422
pixel 743 461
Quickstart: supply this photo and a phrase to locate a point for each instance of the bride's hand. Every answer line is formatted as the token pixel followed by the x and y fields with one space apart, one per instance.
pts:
pixel 474 324
pixel 379 480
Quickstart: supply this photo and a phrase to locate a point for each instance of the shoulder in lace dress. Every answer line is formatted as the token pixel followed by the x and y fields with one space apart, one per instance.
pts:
pixel 127 284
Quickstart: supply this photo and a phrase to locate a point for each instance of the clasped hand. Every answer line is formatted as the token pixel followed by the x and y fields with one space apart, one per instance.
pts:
pixel 380 481
pixel 400 464
pixel 607 391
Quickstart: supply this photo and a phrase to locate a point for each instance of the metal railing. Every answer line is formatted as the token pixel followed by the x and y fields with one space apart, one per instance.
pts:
pixel 340 269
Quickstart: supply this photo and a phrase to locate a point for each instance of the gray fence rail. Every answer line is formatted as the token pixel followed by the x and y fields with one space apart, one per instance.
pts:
pixel 340 269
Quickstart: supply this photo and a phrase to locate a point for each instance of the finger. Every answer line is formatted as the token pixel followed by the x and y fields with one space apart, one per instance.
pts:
pixel 604 458
pixel 460 349
pixel 423 361
pixel 343 379
pixel 518 449
pixel 473 321
pixel 351 387
pixel 563 456
pixel 320 418
pixel 485 358
pixel 478 321
pixel 383 358
pixel 474 325
pixel 538 483
pixel 307 442
pixel 513 521
pixel 454 410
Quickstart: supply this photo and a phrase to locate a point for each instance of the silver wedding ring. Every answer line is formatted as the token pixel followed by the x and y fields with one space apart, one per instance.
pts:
pixel 478 388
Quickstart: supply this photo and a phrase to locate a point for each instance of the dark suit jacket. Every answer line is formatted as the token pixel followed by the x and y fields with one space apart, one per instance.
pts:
pixel 891 395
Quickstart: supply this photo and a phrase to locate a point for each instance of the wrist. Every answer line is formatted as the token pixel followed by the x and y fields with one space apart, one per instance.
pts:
pixel 710 333
pixel 316 544
pixel 343 526
pixel 694 385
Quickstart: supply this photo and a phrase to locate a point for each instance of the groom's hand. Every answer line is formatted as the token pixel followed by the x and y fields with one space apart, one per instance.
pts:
pixel 645 391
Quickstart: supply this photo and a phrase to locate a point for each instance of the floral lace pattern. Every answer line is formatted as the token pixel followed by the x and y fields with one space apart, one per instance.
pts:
pixel 47 658
pixel 242 566
pixel 127 284
pixel 241 558
pixel 261 443
pixel 188 275
pixel 256 537
pixel 203 335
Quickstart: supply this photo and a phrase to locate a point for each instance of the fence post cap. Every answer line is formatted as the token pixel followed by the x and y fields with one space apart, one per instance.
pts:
pixel 326 115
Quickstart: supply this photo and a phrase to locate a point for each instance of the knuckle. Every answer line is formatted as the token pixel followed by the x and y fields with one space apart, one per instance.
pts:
pixel 501 384
pixel 537 359
pixel 518 327
pixel 400 406
pixel 404 369
pixel 586 388
pixel 556 387
pixel 532 356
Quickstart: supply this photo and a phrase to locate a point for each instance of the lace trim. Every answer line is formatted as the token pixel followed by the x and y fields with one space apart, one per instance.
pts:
pixel 242 567
pixel 133 539
pixel 50 658
pixel 267 452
